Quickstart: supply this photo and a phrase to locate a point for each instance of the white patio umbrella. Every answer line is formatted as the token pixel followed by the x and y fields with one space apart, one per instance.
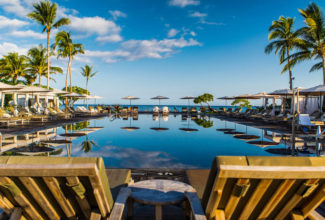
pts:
pixel 130 98
pixel 74 95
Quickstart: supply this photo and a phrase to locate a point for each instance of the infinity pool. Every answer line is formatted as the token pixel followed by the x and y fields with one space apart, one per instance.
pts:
pixel 164 142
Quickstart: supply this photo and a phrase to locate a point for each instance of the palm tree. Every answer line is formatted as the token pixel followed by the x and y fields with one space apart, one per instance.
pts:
pixel 12 67
pixel 87 72
pixel 314 37
pixel 87 145
pixel 37 63
pixel 284 39
pixel 45 14
pixel 66 48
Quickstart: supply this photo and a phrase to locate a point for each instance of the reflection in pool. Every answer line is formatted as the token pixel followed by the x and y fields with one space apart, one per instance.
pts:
pixel 151 142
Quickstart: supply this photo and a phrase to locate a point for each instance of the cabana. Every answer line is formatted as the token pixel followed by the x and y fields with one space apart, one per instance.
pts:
pixel 314 99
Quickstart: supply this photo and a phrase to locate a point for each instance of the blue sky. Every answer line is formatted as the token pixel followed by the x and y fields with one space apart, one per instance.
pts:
pixel 165 47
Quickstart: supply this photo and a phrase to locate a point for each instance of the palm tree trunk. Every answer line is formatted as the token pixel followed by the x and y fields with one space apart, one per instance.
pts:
pixel 48 59
pixel 66 81
pixel 290 73
pixel 87 91
pixel 323 60
pixel 39 78
pixel 70 84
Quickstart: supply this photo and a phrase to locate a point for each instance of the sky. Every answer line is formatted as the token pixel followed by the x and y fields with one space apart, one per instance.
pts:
pixel 172 48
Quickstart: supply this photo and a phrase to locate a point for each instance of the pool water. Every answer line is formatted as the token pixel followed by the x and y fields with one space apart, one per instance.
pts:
pixel 164 142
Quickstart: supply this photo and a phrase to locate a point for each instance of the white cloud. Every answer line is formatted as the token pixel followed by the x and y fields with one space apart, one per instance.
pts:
pixel 6 22
pixel 193 33
pixel 94 25
pixel 198 14
pixel 117 14
pixel 14 6
pixel 203 21
pixel 6 47
pixel 109 38
pixel 28 34
pixel 32 34
pixel 172 32
pixel 183 3
pixel 139 49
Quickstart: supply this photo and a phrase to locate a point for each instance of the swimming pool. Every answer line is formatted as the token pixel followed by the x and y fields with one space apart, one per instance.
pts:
pixel 159 142
pixel 166 141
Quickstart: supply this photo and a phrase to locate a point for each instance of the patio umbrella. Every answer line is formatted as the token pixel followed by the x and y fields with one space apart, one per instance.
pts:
pixel 159 128
pixel 74 95
pixel 226 98
pixel 245 96
pixel 188 98
pixel 159 98
pixel 130 98
pixel 188 129
pixel 130 127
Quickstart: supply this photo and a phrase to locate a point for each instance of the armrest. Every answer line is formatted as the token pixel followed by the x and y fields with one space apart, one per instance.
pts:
pixel 119 204
pixel 195 203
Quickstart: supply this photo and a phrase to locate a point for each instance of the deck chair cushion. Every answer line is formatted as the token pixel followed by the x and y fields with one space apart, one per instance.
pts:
pixel 264 187
pixel 89 184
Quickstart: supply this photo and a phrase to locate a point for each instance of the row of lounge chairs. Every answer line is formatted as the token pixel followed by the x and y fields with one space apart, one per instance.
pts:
pixel 237 187
pixel 20 116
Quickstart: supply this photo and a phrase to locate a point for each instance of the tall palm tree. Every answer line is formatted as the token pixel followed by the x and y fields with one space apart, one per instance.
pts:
pixel 13 66
pixel 284 39
pixel 314 37
pixel 45 14
pixel 37 62
pixel 87 72
pixel 67 49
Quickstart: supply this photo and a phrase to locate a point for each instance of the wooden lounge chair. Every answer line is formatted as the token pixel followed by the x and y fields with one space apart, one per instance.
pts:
pixel 264 188
pixel 58 188
pixel 184 111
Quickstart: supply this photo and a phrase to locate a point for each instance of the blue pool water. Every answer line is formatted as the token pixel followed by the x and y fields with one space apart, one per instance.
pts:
pixel 134 144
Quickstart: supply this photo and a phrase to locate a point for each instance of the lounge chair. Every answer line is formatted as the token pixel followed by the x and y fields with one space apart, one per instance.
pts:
pixel 264 188
pixel 156 110
pixel 58 188
pixel 193 111
pixel 165 110
pixel 184 110
pixel 135 111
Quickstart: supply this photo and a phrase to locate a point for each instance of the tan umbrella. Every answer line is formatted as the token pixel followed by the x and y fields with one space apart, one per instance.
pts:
pixel 245 96
pixel 188 98
pixel 74 95
pixel 226 98
pixel 130 98
pixel 159 97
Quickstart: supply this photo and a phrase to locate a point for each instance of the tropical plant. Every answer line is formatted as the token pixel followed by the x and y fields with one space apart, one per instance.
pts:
pixel 205 98
pixel 203 122
pixel 242 103
pixel 12 67
pixel 45 14
pixel 284 39
pixel 87 72
pixel 87 145
pixel 37 63
pixel 66 48
pixel 314 38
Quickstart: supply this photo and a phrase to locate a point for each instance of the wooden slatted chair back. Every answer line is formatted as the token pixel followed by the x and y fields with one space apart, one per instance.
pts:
pixel 264 187
pixel 54 188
